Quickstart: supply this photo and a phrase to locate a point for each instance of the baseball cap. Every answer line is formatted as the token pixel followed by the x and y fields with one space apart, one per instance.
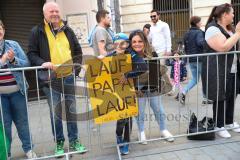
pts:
pixel 120 36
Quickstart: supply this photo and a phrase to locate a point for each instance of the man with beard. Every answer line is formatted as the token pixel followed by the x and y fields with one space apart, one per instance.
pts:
pixel 52 43
pixel 159 35
pixel 102 37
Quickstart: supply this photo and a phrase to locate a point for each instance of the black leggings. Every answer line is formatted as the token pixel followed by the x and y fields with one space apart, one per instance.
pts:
pixel 219 108
pixel 126 125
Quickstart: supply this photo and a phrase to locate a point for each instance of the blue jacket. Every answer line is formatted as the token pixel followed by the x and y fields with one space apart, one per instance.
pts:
pixel 193 42
pixel 20 61
pixel 139 66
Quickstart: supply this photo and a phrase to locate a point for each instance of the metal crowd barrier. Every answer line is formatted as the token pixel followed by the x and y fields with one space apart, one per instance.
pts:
pixel 100 140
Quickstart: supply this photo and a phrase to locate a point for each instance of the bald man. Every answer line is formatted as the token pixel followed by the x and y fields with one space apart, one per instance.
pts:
pixel 53 43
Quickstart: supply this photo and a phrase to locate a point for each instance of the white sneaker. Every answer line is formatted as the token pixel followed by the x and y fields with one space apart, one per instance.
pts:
pixel 142 137
pixel 235 125
pixel 31 155
pixel 166 134
pixel 222 132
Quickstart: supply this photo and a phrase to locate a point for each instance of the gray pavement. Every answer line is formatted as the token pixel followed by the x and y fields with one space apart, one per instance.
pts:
pixel 100 140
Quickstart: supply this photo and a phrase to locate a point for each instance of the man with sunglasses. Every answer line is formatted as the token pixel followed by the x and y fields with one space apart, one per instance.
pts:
pixel 159 35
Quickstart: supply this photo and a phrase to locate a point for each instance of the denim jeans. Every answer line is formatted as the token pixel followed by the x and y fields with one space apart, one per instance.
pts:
pixel 57 104
pixel 157 107
pixel 14 109
pixel 196 69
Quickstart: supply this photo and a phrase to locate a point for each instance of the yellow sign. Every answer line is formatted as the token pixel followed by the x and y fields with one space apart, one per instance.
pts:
pixel 109 99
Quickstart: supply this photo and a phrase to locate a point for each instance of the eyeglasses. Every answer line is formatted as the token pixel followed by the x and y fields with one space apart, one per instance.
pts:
pixel 154 16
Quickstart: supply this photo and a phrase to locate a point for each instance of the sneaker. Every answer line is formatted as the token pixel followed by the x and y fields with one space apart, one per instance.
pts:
pixel 207 101
pixel 31 155
pixel 77 147
pixel 182 98
pixel 235 125
pixel 59 150
pixel 125 149
pixel 222 132
pixel 142 137
pixel 166 134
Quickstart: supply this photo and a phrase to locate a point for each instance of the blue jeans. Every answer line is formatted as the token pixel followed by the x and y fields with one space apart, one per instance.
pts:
pixel 196 69
pixel 14 109
pixel 157 107
pixel 69 102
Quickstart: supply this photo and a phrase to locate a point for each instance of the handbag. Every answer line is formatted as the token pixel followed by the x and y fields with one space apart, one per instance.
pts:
pixel 160 81
pixel 206 124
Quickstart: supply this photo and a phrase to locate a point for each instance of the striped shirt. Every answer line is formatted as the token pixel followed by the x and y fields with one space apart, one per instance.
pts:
pixel 8 83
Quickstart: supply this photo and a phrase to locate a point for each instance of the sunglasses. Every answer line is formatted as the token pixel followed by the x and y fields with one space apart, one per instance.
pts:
pixel 154 16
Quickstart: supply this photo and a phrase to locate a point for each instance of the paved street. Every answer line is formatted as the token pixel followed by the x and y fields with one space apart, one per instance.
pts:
pixel 100 141
pixel 170 21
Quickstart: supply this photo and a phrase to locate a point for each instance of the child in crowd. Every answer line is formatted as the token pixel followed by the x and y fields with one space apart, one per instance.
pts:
pixel 121 43
pixel 178 73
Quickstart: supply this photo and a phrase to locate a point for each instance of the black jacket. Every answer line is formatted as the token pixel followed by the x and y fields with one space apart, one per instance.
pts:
pixel 215 70
pixel 193 42
pixel 38 48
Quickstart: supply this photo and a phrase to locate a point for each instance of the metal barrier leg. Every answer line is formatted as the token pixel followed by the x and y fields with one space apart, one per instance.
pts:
pixel 119 153
pixel 52 107
pixel 27 108
pixel 67 157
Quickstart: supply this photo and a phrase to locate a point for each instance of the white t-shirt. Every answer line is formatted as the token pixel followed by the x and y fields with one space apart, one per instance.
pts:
pixel 212 31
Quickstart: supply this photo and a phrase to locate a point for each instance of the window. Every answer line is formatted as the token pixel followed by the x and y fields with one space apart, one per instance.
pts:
pixel 176 13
